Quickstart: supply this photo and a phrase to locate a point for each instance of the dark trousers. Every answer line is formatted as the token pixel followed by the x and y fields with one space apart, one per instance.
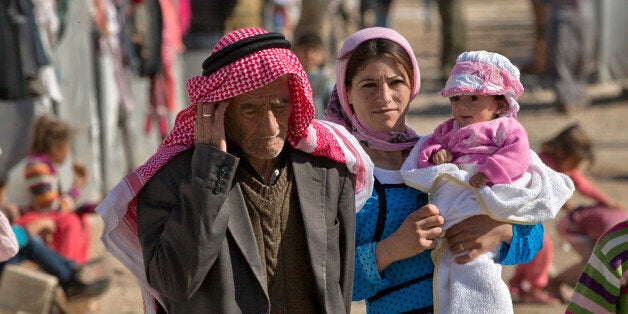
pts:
pixel 453 34
pixel 51 262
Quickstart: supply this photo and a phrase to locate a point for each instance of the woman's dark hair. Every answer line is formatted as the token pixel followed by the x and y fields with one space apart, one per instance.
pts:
pixel 376 48
pixel 49 132
pixel 570 142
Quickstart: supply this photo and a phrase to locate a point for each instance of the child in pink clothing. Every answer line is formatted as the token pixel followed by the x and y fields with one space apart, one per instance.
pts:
pixel 479 163
pixel 484 130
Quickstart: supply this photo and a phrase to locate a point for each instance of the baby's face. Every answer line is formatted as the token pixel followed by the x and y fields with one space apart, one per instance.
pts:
pixel 469 109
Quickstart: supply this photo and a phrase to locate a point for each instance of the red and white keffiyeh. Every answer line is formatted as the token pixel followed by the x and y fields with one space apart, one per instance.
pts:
pixel 321 138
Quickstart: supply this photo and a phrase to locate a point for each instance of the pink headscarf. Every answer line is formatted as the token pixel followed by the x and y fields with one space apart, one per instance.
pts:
pixel 340 111
pixel 246 73
pixel 485 73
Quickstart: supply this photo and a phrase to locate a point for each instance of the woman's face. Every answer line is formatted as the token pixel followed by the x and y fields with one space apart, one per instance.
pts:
pixel 380 95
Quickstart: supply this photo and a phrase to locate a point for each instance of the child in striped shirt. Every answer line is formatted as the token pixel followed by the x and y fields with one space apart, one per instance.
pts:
pixel 602 287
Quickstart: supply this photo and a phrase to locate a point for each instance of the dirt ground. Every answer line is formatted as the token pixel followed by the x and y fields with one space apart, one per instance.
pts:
pixel 508 31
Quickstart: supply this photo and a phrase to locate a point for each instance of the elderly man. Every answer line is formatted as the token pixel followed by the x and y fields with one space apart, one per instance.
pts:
pixel 248 205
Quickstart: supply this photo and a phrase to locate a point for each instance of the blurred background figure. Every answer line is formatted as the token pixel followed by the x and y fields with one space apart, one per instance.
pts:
pixel 282 16
pixel 613 42
pixel 207 23
pixel 36 188
pixel 427 16
pixel 571 44
pixel 539 58
pixel 580 225
pixel 311 52
pixel 380 9
pixel 246 13
pixel 34 249
pixel 453 35
pixel 8 242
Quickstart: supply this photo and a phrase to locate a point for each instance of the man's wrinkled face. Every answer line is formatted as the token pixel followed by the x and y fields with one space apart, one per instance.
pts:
pixel 258 120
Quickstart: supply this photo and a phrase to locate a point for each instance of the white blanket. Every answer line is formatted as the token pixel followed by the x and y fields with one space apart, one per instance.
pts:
pixel 477 287
pixel 536 196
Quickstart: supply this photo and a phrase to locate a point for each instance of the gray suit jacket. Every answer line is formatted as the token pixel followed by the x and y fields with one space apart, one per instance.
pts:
pixel 198 243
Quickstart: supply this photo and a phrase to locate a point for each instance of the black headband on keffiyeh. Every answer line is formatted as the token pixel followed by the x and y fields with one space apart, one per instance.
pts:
pixel 241 48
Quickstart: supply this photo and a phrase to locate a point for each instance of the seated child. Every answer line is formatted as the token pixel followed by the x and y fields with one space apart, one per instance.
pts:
pixel 35 187
pixel 33 248
pixel 585 219
pixel 479 163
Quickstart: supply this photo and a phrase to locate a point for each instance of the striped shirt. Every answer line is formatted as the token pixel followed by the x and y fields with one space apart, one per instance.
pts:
pixel 43 183
pixel 602 287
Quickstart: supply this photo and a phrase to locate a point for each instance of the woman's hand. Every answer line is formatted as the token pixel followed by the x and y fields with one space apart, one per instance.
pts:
pixel 477 235
pixel 415 235
pixel 209 127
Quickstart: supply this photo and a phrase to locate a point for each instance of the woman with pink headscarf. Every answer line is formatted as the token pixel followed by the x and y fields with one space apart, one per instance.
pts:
pixel 377 76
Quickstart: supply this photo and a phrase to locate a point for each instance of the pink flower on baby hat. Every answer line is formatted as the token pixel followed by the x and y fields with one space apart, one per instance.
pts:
pixel 495 77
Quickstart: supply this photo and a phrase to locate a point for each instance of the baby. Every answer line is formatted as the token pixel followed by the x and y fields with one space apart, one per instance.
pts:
pixel 479 163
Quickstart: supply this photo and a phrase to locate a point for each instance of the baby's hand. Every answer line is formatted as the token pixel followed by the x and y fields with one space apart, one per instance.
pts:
pixel 441 156
pixel 479 179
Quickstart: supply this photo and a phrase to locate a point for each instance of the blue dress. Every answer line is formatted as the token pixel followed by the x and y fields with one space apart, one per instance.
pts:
pixel 406 285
